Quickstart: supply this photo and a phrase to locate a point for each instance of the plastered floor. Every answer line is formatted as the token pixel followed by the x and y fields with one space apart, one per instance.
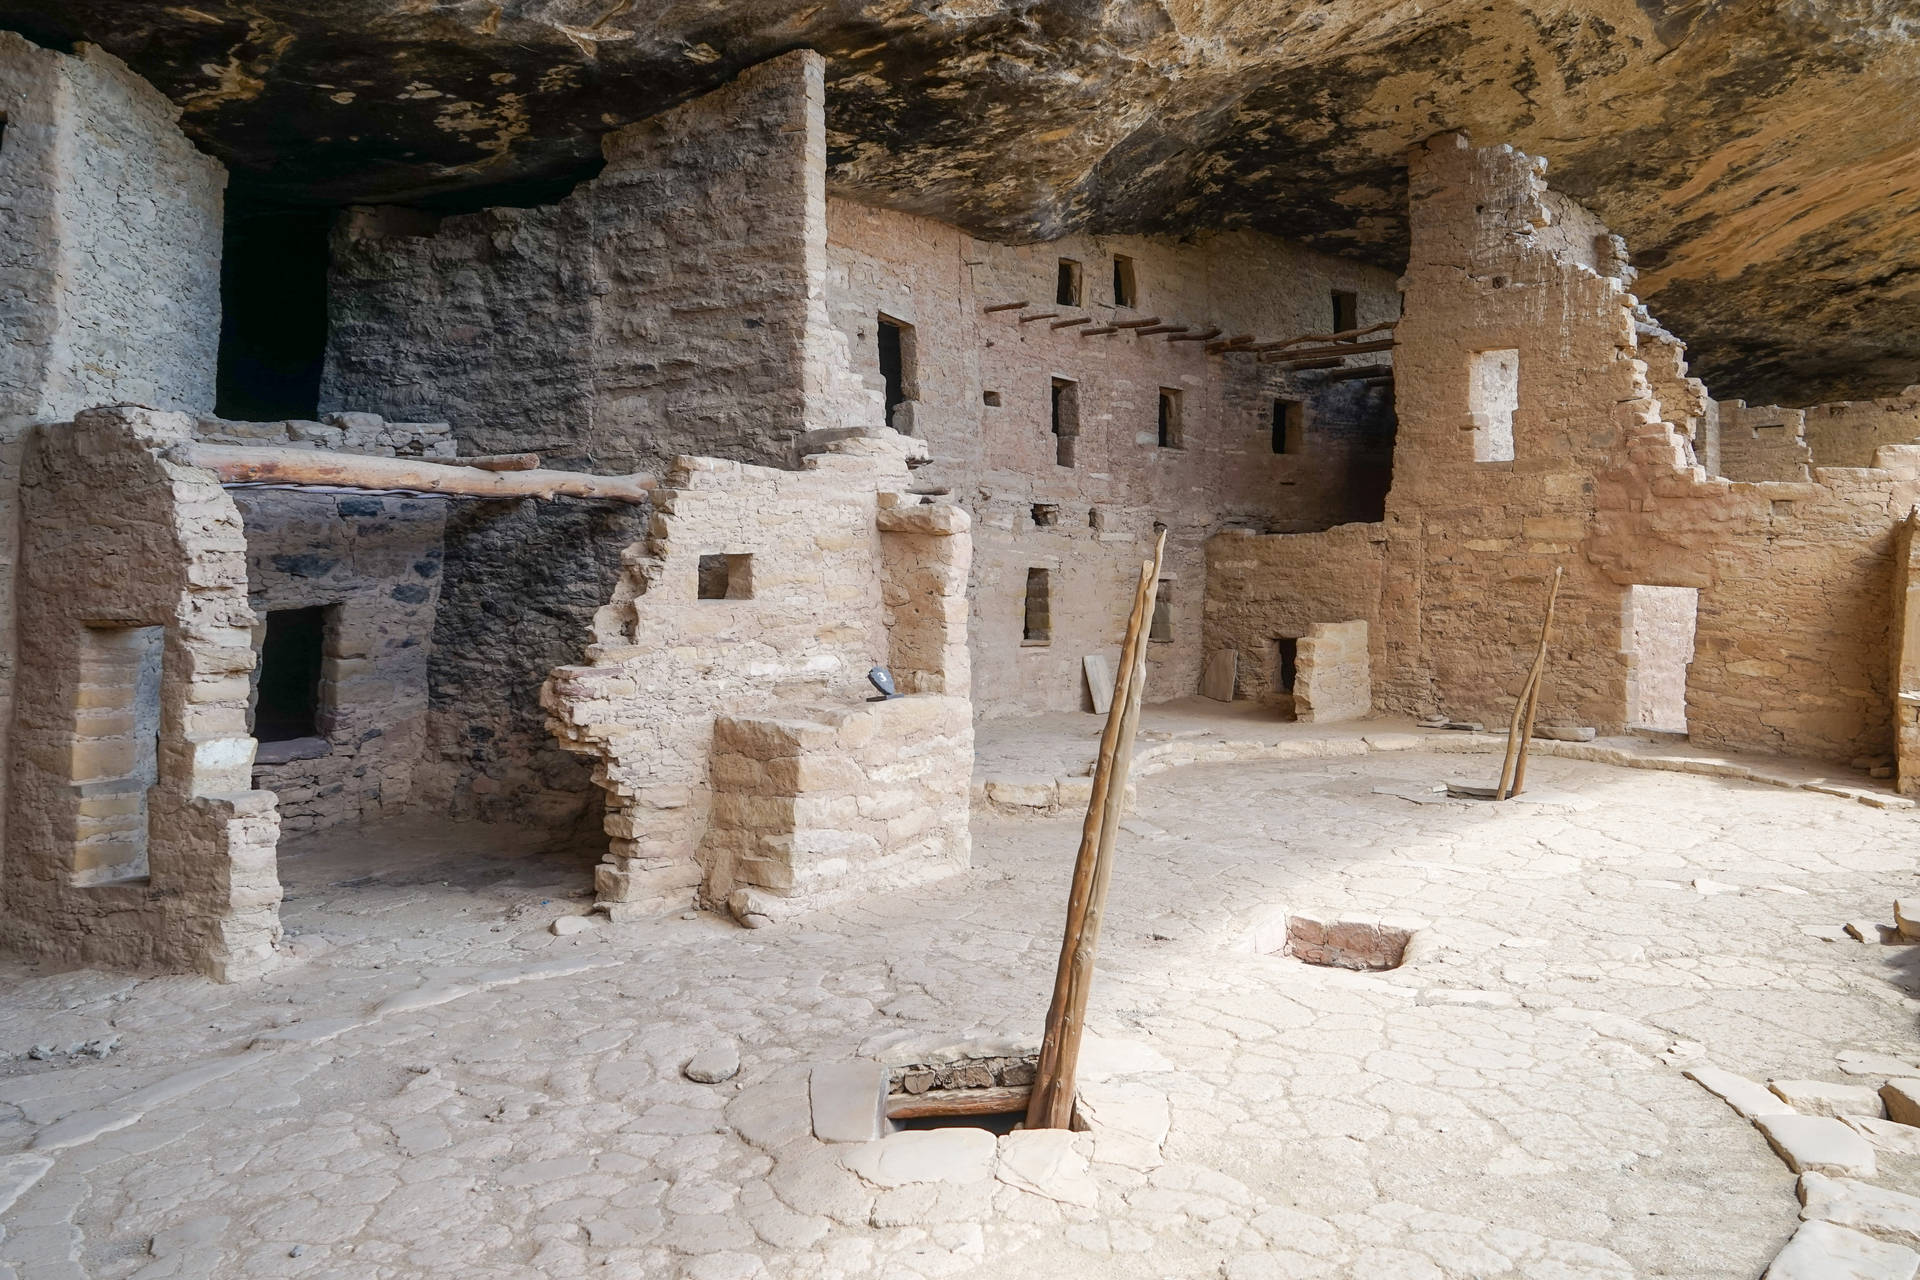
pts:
pixel 438 1085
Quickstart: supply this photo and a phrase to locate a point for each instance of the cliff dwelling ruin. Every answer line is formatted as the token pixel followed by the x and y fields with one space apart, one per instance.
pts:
pixel 599 603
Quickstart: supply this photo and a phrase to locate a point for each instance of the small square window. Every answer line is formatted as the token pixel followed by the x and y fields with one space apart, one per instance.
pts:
pixel 991 399
pixel 1066 290
pixel 1493 396
pixel 1066 420
pixel 726 577
pixel 1125 290
pixel 1046 515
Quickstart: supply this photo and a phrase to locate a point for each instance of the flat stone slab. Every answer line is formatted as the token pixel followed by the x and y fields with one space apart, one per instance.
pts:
pixel 1821 1098
pixel 849 1101
pixel 1818 1143
pixel 1886 1135
pixel 925 1155
pixel 1050 1163
pixel 1743 1095
pixel 1823 1251
pixel 1885 1215
pixel 711 1066
pixel 1862 1062
pixel 1902 1098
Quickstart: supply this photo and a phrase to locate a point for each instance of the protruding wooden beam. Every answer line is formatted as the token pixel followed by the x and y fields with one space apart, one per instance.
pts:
pixel 1159 328
pixel 245 464
pixel 1345 335
pixel 1321 353
pixel 1038 315
pixel 1006 306
pixel 1102 330
pixel 1360 373
pixel 1068 324
pixel 1142 323
pixel 1236 343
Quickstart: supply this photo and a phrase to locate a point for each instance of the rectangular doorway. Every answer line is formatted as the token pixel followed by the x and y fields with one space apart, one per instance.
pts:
pixel 1657 635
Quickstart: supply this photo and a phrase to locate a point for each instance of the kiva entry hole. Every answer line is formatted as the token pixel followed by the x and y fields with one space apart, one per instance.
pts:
pixel 971 1093
pixel 1346 942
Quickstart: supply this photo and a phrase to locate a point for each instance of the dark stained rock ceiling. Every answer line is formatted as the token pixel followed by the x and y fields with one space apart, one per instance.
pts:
pixel 1762 157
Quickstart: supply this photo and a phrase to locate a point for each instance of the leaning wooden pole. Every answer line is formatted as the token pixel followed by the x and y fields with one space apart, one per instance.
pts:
pixel 1050 1105
pixel 1513 772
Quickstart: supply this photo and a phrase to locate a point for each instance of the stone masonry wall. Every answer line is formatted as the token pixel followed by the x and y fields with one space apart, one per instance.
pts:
pixel 122 545
pixel 671 305
pixel 1846 433
pixel 1264 588
pixel 1763 442
pixel 373 563
pixel 801 596
pixel 109 263
pixel 978 390
pixel 1791 647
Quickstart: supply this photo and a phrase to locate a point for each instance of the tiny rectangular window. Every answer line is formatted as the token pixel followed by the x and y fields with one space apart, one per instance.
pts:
pixel 1066 291
pixel 1346 310
pixel 1289 426
pixel 288 705
pixel 895 355
pixel 1125 290
pixel 1170 431
pixel 1161 628
pixel 1066 420
pixel 3 130
pixel 1046 515
pixel 1037 626
pixel 1493 393
pixel 726 577
pixel 991 399
pixel 1285 651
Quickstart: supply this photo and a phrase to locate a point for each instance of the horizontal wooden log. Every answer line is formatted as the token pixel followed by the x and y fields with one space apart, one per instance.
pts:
pixel 1365 371
pixel 1323 353
pixel 244 464
pixel 501 461
pixel 1068 324
pixel 1345 335
pixel 958 1102
pixel 1005 306
pixel 1141 323
pixel 1101 331
pixel 1160 328
pixel 1038 315
pixel 1205 335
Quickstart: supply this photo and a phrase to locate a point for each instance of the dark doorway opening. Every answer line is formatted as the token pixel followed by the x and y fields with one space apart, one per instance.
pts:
pixel 1346 311
pixel 290 658
pixel 1066 420
pixel 1286 651
pixel 273 310
pixel 1066 289
pixel 893 365
pixel 1289 426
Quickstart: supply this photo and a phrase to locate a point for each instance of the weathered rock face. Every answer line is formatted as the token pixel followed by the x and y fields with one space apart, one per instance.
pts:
pixel 1757 154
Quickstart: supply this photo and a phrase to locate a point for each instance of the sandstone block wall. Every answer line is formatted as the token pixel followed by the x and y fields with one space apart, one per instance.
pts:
pixel 110 228
pixel 1846 433
pixel 121 545
pixel 373 564
pixel 1334 676
pixel 1763 442
pixel 762 595
pixel 670 306
pixel 978 389
pixel 807 811
pixel 1261 589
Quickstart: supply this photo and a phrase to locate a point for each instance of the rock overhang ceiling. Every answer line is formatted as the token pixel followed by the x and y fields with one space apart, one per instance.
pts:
pixel 1762 157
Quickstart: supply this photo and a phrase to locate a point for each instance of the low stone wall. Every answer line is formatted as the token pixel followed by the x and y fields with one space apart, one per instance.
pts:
pixel 807 811
pixel 1334 680
pixel 133 733
pixel 765 595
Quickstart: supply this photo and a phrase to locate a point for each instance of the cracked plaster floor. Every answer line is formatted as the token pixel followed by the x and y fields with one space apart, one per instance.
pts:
pixel 447 1088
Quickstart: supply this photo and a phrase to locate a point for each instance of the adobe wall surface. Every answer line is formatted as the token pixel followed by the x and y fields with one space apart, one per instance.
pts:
pixel 1334 680
pixel 373 563
pixel 134 837
pixel 1763 442
pixel 1846 433
pixel 670 306
pixel 1791 643
pixel 829 571
pixel 110 227
pixel 1264 588
pixel 1101 513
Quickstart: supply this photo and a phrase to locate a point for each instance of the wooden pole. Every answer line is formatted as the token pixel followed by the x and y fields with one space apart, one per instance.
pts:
pixel 246 464
pixel 1051 1104
pixel 1520 729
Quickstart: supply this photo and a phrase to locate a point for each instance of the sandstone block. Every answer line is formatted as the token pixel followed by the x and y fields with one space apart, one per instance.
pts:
pixel 1906 911
pixel 1823 1251
pixel 1820 1098
pixel 849 1101
pixel 1886 1215
pixel 1902 1099
pixel 1818 1143
pixel 1738 1092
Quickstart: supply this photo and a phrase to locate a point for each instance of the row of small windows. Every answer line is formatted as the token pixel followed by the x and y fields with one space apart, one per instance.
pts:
pixel 897 358
pixel 1069 283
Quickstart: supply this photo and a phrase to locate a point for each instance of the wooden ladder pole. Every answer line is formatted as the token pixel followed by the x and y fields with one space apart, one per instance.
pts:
pixel 1050 1106
pixel 1529 704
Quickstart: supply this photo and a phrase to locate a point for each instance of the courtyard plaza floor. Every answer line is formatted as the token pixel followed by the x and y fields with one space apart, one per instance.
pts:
pixel 436 1084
